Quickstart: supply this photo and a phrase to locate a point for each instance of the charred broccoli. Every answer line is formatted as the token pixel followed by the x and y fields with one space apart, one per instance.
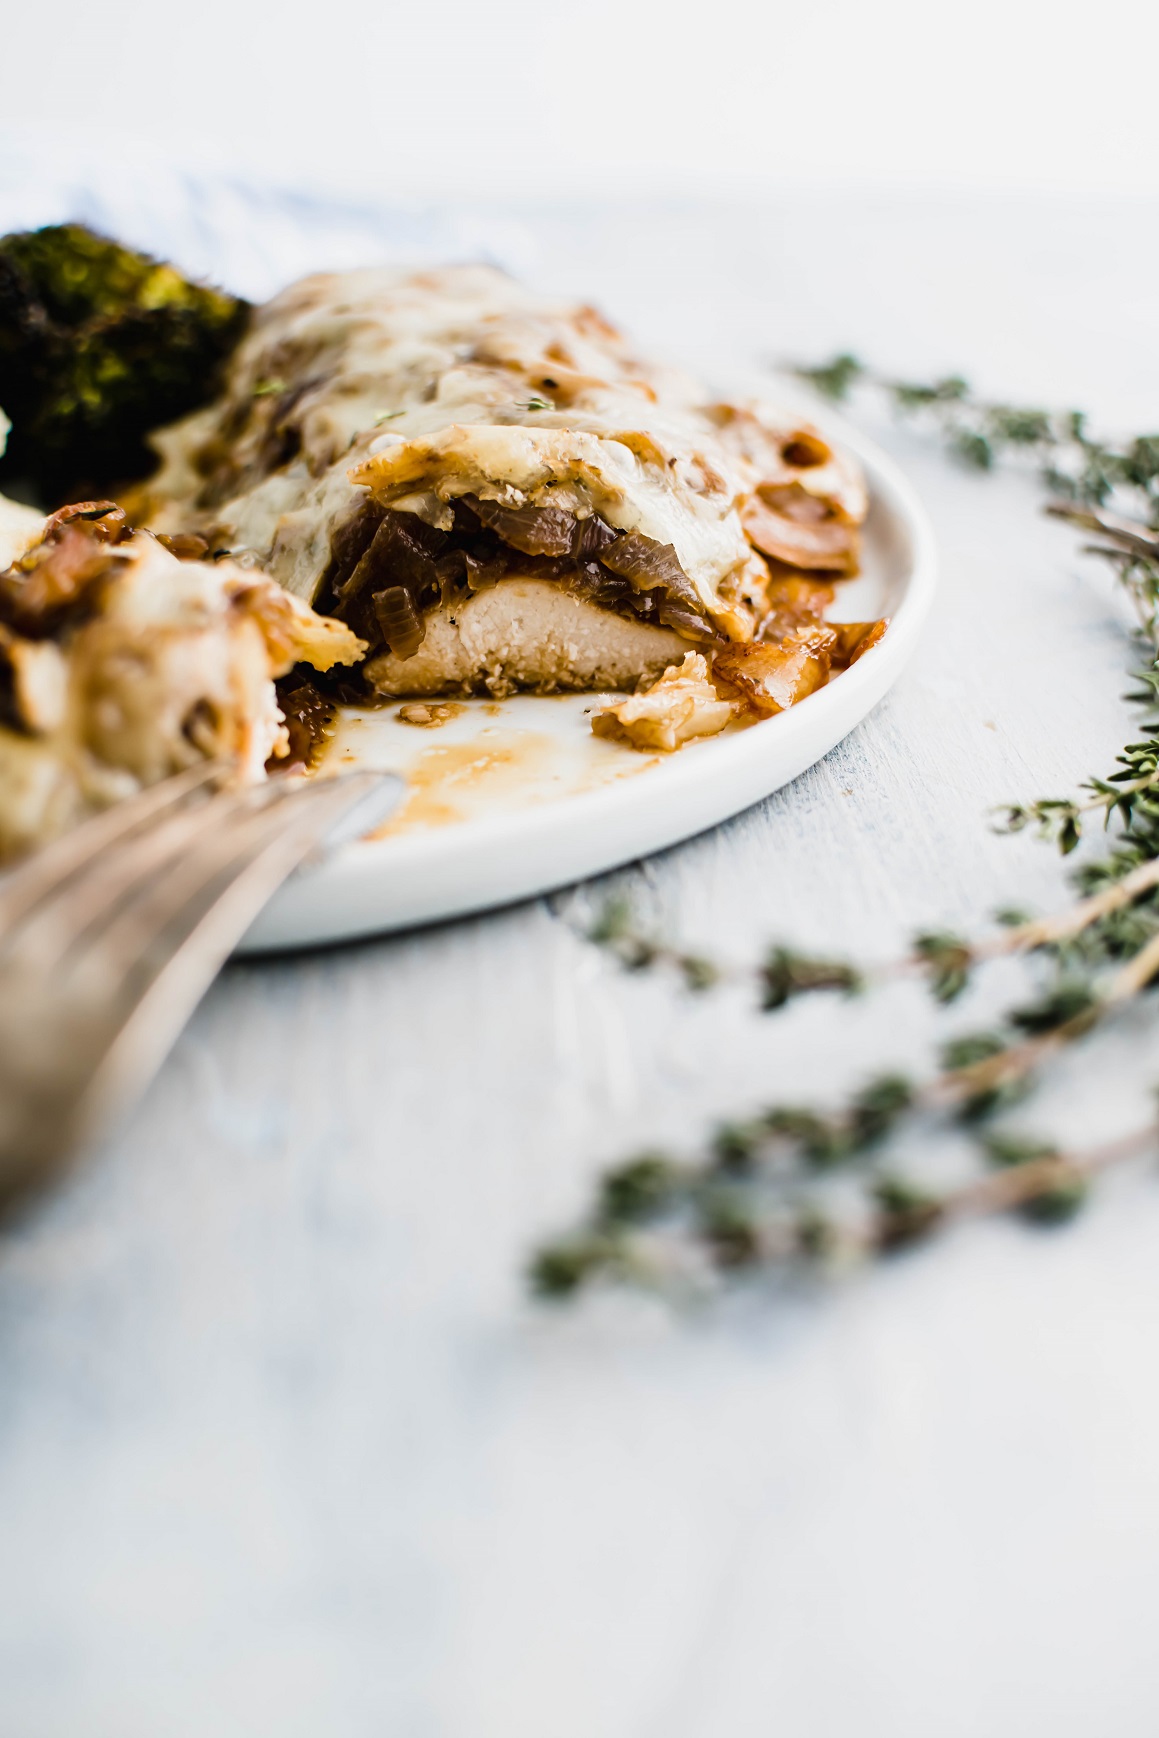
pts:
pixel 98 345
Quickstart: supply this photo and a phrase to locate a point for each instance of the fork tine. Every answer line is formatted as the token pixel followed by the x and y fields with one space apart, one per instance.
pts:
pixel 117 1026
pixel 23 887
pixel 200 941
pixel 78 908
pixel 181 882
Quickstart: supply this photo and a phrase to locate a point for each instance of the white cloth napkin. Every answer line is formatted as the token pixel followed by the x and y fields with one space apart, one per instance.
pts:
pixel 250 238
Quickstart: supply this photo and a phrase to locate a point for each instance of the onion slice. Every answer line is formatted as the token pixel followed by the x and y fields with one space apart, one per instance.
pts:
pixel 403 628
pixel 531 530
pixel 772 678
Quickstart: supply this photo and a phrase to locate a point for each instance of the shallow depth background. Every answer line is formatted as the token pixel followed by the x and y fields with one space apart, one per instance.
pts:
pixel 515 97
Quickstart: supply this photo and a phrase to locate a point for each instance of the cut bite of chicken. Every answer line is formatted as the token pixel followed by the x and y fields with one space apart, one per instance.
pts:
pixel 526 633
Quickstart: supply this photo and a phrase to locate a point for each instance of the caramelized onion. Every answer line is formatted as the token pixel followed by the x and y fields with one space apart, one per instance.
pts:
pixel 459 567
pixel 532 530
pixel 771 678
pixel 686 621
pixel 854 639
pixel 645 564
pixel 308 715
pixel 482 575
pixel 591 536
pixel 794 602
pixel 403 628
pixel 595 584
pixel 795 594
pixel 349 544
pixel 402 552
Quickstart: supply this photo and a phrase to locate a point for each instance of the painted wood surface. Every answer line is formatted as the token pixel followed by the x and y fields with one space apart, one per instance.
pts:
pixel 284 1446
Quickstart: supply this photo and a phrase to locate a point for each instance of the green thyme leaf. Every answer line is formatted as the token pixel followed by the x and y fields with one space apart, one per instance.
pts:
pixel 787 974
pixel 836 378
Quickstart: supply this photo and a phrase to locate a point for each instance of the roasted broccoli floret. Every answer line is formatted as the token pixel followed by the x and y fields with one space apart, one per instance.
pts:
pixel 98 345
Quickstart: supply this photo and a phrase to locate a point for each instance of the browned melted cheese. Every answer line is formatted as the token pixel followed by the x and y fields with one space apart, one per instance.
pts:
pixel 420 388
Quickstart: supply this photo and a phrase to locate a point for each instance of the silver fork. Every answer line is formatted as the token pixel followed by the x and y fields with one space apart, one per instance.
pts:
pixel 110 937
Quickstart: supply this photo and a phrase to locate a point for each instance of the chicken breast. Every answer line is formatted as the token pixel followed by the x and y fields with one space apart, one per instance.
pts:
pixel 525 633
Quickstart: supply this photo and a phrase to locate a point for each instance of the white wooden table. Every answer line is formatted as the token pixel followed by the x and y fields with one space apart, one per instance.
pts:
pixel 284 1447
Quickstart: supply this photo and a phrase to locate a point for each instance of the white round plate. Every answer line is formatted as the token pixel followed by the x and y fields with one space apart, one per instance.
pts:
pixel 512 798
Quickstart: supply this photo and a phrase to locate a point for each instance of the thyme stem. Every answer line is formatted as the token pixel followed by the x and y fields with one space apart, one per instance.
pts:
pixel 1135 975
pixel 1072 919
pixel 1002 1190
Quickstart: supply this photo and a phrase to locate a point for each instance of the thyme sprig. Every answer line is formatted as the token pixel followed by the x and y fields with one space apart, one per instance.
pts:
pixel 1073 465
pixel 690 1228
pixel 748 1201
pixel 756 1199
pixel 1118 913
pixel 1108 488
